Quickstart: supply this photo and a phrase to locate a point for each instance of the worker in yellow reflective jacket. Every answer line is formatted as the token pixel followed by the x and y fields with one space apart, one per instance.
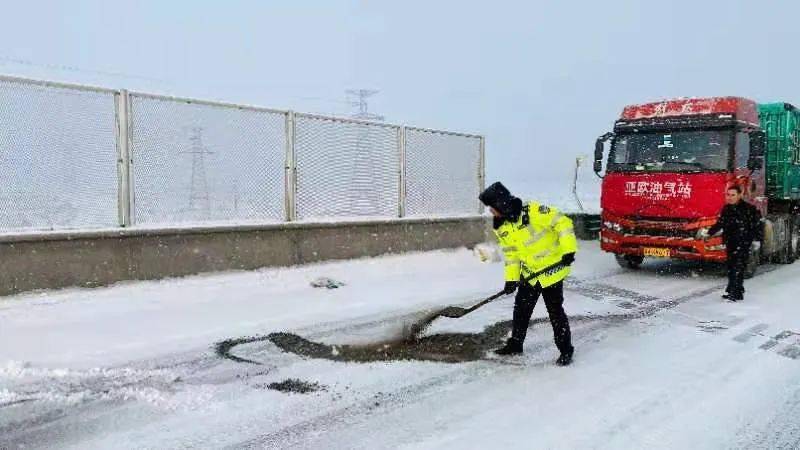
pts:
pixel 539 245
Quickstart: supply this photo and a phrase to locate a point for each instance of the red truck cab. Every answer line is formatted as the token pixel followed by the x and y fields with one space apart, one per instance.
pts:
pixel 669 164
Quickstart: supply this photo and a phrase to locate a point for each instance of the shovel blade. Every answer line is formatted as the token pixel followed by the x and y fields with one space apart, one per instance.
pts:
pixel 453 312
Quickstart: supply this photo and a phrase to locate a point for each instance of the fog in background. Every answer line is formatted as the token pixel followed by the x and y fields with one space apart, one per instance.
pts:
pixel 540 79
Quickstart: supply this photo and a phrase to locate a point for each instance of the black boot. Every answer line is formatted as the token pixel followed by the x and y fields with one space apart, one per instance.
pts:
pixel 512 347
pixel 565 359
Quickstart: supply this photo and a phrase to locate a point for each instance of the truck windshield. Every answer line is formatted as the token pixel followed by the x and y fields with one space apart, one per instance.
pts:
pixel 671 151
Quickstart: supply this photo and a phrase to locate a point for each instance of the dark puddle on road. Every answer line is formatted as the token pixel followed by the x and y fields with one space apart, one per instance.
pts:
pixel 295 386
pixel 446 347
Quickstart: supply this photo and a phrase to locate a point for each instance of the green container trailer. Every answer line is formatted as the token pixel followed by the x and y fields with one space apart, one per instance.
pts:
pixel 781 123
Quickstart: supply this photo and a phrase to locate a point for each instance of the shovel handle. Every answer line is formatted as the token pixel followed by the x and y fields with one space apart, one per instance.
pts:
pixel 559 265
pixel 485 301
pixel 503 292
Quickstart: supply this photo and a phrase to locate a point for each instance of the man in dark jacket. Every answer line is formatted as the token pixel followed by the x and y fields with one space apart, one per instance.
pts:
pixel 740 223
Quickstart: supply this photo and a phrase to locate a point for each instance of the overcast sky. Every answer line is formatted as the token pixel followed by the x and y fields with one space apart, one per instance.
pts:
pixel 540 79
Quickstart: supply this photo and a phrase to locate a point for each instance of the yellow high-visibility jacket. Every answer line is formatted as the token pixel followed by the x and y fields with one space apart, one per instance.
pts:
pixel 536 242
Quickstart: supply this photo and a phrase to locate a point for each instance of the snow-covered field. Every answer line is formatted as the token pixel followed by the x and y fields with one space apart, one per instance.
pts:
pixel 661 362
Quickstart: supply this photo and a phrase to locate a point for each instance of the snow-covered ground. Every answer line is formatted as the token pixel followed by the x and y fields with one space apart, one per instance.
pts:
pixel 661 362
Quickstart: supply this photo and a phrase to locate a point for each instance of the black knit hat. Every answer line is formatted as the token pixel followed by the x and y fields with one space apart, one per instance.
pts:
pixel 499 197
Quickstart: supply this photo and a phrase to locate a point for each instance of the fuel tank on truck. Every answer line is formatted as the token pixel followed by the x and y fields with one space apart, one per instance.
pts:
pixel 666 195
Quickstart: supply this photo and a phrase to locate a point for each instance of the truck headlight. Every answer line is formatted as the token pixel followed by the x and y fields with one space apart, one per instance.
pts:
pixel 613 226
pixel 716 248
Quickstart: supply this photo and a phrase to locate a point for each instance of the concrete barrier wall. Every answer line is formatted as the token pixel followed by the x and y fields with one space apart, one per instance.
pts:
pixel 90 259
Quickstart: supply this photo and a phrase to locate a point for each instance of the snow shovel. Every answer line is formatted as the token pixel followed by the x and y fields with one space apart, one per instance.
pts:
pixel 454 312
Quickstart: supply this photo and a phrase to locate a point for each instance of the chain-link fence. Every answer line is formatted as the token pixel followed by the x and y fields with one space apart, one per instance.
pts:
pixel 74 157
pixel 346 168
pixel 443 173
pixel 201 163
pixel 58 157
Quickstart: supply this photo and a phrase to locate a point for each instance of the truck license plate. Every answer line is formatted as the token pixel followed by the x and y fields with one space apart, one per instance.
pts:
pixel 657 252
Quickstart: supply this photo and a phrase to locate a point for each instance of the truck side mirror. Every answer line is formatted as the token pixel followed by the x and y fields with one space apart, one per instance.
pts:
pixel 757 143
pixel 599 147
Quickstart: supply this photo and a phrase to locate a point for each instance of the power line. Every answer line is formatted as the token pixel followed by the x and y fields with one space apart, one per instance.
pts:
pixel 361 94
pixel 70 68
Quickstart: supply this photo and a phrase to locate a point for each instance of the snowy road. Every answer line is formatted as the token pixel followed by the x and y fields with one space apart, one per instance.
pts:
pixel 661 362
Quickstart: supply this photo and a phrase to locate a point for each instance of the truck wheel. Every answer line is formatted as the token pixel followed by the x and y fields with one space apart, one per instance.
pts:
pixel 752 264
pixel 787 253
pixel 629 261
pixel 794 238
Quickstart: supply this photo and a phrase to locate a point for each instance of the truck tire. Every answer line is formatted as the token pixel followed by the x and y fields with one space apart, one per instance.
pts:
pixel 786 254
pixel 794 238
pixel 629 261
pixel 752 264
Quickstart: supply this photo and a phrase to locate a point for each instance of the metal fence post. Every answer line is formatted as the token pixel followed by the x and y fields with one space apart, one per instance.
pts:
pixel 401 148
pixel 125 188
pixel 291 169
pixel 481 171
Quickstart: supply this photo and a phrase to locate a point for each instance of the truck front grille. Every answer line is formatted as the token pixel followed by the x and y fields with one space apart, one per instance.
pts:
pixel 659 232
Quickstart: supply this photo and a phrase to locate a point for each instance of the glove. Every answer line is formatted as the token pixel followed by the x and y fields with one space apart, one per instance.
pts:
pixel 568 259
pixel 510 287
pixel 755 246
pixel 702 233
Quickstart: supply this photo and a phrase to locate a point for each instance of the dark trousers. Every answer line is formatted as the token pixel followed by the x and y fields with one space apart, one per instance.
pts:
pixel 737 262
pixel 524 303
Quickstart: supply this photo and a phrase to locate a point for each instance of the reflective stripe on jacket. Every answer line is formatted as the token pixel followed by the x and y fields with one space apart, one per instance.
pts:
pixel 539 243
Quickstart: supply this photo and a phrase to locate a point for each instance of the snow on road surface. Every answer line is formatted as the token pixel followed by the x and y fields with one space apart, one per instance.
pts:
pixel 661 361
